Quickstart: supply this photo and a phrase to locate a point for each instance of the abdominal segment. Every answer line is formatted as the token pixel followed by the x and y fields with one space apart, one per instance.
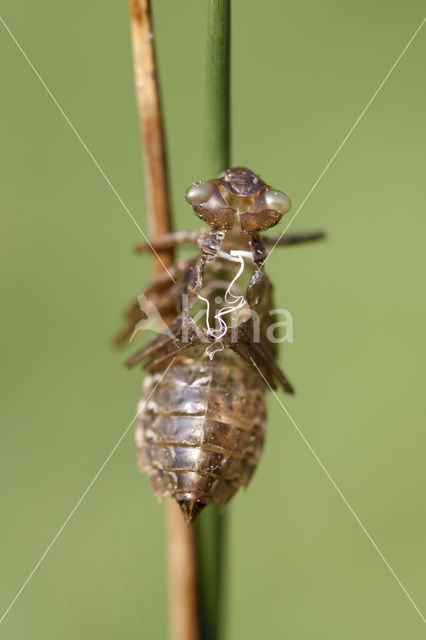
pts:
pixel 201 428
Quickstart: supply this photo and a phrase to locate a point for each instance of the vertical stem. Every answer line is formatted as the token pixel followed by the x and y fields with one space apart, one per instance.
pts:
pixel 209 530
pixel 184 623
pixel 184 618
pixel 150 117
pixel 218 87
pixel 209 525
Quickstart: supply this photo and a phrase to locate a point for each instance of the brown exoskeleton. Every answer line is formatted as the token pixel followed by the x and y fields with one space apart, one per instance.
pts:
pixel 200 433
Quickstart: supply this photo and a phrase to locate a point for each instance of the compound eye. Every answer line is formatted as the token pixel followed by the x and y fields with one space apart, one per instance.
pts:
pixel 209 205
pixel 266 211
pixel 199 192
pixel 277 200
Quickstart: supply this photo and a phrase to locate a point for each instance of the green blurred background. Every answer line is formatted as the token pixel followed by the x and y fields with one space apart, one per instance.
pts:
pixel 298 564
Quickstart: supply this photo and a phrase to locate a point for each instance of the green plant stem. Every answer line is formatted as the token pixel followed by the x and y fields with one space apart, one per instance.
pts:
pixel 218 88
pixel 209 524
pixel 209 540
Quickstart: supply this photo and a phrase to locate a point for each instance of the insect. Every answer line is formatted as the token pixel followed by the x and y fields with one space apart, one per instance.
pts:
pixel 202 420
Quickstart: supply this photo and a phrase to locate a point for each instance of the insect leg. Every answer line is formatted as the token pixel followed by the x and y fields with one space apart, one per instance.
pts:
pixel 256 350
pixel 244 349
pixel 257 354
pixel 209 244
pixel 191 336
pixel 168 241
pixel 180 335
pixel 265 360
pixel 159 342
pixel 257 283
pixel 293 238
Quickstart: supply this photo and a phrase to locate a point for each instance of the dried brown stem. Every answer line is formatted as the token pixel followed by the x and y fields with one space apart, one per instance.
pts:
pixel 184 623
pixel 150 117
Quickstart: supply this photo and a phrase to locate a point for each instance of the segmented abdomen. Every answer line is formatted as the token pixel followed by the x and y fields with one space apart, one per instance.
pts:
pixel 201 428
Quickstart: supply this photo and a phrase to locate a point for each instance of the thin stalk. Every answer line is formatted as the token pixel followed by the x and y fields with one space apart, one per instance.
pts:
pixel 151 122
pixel 184 620
pixel 218 124
pixel 209 525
